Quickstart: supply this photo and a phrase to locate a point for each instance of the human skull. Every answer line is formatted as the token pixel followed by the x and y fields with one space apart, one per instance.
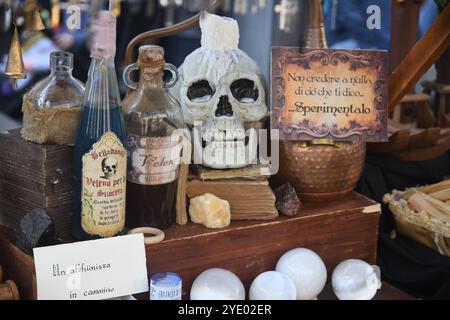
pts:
pixel 222 87
pixel 109 167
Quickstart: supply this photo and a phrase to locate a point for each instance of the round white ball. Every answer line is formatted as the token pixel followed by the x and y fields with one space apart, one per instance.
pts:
pixel 272 285
pixel 355 279
pixel 217 284
pixel 306 270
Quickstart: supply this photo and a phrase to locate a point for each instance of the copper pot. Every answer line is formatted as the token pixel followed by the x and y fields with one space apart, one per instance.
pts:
pixel 321 170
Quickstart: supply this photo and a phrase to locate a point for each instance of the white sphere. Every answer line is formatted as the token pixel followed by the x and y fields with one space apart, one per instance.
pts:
pixel 355 279
pixel 217 284
pixel 306 270
pixel 272 285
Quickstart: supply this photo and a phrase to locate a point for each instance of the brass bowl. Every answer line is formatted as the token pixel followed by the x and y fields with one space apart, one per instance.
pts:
pixel 323 171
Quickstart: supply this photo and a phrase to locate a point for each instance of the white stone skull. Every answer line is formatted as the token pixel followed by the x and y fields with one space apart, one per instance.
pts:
pixel 221 86
pixel 109 167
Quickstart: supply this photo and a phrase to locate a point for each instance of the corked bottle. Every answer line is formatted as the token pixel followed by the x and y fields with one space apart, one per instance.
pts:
pixel 154 143
pixel 100 158
pixel 320 169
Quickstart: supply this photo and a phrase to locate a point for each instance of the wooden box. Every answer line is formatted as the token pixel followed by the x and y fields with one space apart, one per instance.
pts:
pixel 35 176
pixel 336 231
pixel 339 230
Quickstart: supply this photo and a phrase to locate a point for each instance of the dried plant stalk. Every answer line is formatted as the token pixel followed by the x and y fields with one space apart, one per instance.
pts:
pixel 439 205
pixel 419 203
pixel 436 187
pixel 443 195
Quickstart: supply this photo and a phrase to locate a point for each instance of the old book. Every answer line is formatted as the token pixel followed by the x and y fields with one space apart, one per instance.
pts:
pixel 250 172
pixel 35 176
pixel 249 199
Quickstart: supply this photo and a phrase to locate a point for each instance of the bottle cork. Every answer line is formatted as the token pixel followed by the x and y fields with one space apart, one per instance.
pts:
pixel 9 291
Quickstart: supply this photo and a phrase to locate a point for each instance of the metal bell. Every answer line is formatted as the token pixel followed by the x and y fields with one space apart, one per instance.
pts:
pixel 115 7
pixel 15 68
pixel 33 21
pixel 56 13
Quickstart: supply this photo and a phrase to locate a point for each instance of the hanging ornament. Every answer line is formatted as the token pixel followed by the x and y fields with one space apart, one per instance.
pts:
pixel 115 7
pixel 56 13
pixel 240 7
pixel 33 21
pixel 15 68
pixel 288 10
pixel 5 15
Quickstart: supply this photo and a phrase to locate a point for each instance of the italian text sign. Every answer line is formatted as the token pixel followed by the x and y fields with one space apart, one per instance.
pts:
pixel 92 270
pixel 329 94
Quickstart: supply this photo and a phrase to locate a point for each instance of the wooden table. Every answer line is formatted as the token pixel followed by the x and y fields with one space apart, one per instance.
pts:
pixel 339 230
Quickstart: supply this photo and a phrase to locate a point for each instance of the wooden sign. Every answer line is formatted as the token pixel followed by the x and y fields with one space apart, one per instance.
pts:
pixel 329 94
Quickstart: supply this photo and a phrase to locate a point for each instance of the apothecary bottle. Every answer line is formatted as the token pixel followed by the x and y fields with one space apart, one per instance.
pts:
pixel 51 109
pixel 154 143
pixel 100 156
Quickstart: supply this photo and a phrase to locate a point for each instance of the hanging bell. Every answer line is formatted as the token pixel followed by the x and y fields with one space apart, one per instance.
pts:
pixel 15 68
pixel 56 13
pixel 33 21
pixel 115 7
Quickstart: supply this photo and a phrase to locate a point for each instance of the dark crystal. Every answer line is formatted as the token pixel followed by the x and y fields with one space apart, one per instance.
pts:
pixel 287 201
pixel 36 229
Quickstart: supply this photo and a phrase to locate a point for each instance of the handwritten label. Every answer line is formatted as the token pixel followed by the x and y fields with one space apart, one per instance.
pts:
pixel 104 186
pixel 92 270
pixel 152 160
pixel 326 93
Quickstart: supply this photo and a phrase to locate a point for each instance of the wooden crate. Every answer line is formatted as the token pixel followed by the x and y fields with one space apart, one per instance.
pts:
pixel 336 231
pixel 35 176
pixel 339 230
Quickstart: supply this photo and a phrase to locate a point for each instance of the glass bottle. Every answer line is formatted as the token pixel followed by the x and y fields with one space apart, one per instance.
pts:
pixel 152 117
pixel 100 156
pixel 51 109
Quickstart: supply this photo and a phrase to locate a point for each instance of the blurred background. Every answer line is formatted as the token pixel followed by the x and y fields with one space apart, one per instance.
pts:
pixel 263 23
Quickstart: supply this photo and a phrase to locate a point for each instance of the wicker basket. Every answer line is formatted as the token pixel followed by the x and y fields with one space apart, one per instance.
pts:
pixel 418 226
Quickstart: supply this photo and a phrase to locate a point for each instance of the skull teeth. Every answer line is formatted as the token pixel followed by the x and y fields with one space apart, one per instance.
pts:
pixel 230 154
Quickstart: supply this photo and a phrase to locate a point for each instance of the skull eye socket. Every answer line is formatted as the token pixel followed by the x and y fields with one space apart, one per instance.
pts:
pixel 200 91
pixel 244 90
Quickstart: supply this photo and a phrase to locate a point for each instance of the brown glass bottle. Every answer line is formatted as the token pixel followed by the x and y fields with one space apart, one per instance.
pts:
pixel 152 120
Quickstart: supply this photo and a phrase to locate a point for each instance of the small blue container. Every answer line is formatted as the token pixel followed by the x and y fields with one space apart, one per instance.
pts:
pixel 165 286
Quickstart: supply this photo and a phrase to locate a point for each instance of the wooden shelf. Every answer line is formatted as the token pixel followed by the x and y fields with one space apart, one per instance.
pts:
pixel 337 230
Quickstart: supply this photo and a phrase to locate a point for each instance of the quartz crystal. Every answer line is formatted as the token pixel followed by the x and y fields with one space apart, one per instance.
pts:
pixel 210 211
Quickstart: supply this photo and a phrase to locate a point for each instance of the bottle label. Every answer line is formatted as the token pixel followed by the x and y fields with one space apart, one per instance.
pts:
pixel 165 293
pixel 103 190
pixel 154 161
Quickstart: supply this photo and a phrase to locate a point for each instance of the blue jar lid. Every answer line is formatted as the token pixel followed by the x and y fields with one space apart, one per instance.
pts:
pixel 165 279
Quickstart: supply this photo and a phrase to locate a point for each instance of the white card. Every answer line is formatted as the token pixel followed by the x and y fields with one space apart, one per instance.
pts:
pixel 92 270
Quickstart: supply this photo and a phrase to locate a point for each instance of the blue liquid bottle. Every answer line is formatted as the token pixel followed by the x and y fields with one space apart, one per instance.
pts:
pixel 100 159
